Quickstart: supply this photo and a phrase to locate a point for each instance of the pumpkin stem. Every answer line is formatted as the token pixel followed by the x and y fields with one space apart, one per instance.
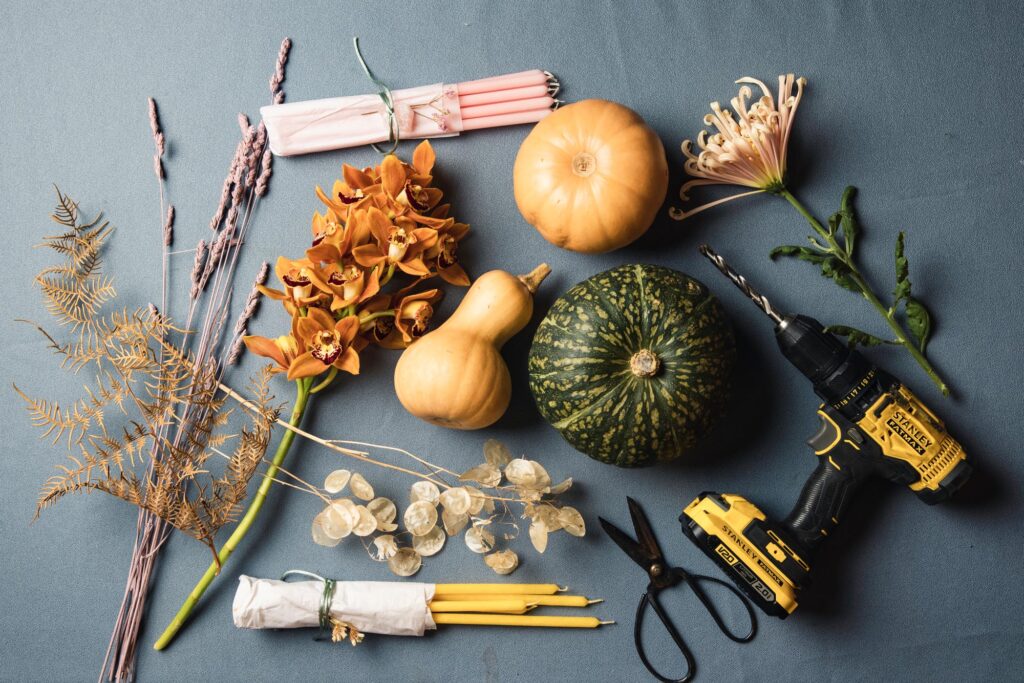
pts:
pixel 644 363
pixel 533 279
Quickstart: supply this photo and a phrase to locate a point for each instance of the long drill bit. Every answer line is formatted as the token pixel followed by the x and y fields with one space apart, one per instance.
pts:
pixel 741 282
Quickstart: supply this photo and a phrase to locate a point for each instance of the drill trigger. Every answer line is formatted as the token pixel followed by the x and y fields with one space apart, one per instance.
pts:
pixel 827 436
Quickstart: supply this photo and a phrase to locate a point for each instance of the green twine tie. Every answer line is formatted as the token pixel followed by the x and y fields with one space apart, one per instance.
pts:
pixel 326 598
pixel 384 92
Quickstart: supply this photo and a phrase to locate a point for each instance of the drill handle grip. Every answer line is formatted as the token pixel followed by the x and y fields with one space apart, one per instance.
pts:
pixel 824 498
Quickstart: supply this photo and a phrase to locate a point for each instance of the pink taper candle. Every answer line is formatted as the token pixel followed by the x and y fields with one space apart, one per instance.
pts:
pixel 506 82
pixel 506 119
pixel 502 95
pixel 507 107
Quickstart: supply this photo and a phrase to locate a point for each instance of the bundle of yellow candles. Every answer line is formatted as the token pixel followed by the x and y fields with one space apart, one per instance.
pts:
pixel 507 604
pixel 398 608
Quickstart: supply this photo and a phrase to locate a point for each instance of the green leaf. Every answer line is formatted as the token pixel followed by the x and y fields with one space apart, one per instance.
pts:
pixel 838 272
pixel 855 337
pixel 831 266
pixel 902 291
pixel 848 219
pixel 918 320
pixel 808 254
pixel 833 223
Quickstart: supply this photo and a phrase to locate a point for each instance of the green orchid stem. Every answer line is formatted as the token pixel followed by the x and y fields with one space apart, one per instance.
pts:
pixel 379 314
pixel 301 399
pixel 866 292
pixel 326 382
pixel 388 275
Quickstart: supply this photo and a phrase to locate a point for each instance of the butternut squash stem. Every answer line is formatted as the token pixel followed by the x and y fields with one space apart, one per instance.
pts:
pixel 536 276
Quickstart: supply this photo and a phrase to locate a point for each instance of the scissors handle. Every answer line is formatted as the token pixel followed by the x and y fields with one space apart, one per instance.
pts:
pixel 650 598
pixel 694 581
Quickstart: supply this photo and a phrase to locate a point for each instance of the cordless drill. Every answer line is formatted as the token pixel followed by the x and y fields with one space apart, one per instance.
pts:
pixel 871 425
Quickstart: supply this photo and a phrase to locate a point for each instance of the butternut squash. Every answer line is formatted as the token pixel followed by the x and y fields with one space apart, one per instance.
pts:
pixel 455 376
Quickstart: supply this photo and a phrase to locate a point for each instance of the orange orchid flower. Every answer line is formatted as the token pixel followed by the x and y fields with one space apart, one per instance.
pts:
pixel 413 314
pixel 328 343
pixel 380 328
pixel 443 256
pixel 397 244
pixel 347 284
pixel 345 198
pixel 331 238
pixel 283 350
pixel 299 290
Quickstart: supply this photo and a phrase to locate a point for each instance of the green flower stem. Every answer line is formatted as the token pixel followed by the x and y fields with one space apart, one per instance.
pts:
pixel 380 314
pixel 326 382
pixel 388 275
pixel 887 313
pixel 301 399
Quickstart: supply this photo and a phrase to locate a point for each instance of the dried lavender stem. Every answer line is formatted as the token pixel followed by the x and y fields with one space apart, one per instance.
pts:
pixel 253 300
pixel 169 226
pixel 236 348
pixel 278 78
pixel 120 652
pixel 198 265
pixel 225 192
pixel 222 268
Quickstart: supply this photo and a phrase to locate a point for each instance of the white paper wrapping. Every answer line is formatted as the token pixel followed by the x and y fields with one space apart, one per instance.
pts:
pixel 389 608
pixel 428 111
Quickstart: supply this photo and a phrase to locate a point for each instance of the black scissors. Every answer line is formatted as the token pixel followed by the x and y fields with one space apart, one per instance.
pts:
pixel 646 553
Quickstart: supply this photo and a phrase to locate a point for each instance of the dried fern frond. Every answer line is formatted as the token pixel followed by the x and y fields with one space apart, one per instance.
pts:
pixel 75 290
pixel 76 302
pixel 74 422
pixel 145 429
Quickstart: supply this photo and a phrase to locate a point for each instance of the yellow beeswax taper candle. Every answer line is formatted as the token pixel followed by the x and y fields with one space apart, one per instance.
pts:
pixel 483 605
pixel 518 620
pixel 446 589
pixel 545 600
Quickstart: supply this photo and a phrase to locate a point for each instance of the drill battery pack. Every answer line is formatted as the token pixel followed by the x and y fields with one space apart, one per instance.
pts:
pixel 749 548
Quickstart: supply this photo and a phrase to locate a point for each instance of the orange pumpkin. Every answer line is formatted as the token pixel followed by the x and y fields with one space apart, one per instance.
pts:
pixel 591 176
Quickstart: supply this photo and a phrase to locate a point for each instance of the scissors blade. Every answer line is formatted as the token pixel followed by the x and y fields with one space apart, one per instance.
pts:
pixel 644 534
pixel 628 545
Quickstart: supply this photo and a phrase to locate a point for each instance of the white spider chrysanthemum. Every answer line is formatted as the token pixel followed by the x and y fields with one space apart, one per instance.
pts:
pixel 749 147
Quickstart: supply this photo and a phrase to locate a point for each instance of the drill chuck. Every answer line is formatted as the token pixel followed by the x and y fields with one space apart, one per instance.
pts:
pixel 834 369
pixel 838 373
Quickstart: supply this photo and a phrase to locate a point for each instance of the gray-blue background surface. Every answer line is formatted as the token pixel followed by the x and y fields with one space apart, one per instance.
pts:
pixel 916 103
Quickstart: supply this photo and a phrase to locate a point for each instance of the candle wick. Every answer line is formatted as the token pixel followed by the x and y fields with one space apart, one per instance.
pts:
pixel 594 602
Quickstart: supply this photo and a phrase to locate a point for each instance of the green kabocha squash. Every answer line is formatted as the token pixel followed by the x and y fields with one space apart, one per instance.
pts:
pixel 633 365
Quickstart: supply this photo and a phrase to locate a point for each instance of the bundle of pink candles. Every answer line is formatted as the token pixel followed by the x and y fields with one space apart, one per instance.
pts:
pixel 437 110
pixel 509 100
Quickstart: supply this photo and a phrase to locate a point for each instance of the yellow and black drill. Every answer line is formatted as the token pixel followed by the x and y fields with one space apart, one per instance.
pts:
pixel 871 425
